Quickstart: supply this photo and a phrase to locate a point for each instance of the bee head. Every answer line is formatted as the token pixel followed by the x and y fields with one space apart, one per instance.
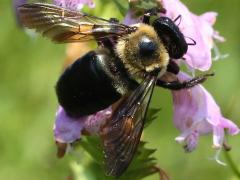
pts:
pixel 142 50
pixel 171 36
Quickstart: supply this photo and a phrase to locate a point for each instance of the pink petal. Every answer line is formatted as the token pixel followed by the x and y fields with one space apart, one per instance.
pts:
pixel 209 17
pixel 218 137
pixel 232 128
pixel 186 106
pixel 94 122
pixel 189 139
pixel 66 129
pixel 74 4
pixel 198 28
pixel 195 111
pixel 130 18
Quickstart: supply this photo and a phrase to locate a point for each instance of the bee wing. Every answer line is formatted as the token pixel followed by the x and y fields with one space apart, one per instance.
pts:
pixel 64 26
pixel 121 135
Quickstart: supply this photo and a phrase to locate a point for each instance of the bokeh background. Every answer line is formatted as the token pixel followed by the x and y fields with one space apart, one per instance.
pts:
pixel 30 67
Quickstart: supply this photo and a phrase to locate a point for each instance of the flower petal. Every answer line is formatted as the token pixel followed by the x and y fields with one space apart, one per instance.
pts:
pixel 74 4
pixel 189 140
pixel 198 28
pixel 94 122
pixel 196 113
pixel 218 137
pixel 130 18
pixel 67 129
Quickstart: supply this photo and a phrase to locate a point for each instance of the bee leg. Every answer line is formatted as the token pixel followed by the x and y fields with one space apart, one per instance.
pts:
pixel 173 67
pixel 177 85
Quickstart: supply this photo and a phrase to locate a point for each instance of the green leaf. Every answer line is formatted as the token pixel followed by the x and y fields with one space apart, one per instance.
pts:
pixel 139 7
pixel 152 114
pixel 142 165
pixel 93 147
pixel 122 6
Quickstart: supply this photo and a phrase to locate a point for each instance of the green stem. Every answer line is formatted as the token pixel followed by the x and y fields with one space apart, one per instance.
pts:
pixel 232 165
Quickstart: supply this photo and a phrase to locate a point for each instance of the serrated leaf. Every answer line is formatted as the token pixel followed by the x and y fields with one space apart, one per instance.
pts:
pixel 93 146
pixel 142 165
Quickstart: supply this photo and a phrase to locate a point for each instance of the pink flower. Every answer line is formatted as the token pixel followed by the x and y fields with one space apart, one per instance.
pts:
pixel 199 28
pixel 68 130
pixel 131 19
pixel 196 113
pixel 74 4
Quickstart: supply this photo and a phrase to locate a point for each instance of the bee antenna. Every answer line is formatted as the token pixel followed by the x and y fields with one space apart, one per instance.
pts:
pixel 193 43
pixel 178 18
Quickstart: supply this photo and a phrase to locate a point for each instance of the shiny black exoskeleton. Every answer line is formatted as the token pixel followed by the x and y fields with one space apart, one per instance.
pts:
pixel 171 36
pixel 168 31
pixel 92 83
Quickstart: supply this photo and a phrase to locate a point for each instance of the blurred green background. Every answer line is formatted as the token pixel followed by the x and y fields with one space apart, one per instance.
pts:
pixel 29 68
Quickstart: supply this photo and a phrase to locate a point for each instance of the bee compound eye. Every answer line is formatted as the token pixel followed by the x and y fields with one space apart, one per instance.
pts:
pixel 147 47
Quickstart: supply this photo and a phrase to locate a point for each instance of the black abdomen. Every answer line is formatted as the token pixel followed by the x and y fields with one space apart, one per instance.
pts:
pixel 92 83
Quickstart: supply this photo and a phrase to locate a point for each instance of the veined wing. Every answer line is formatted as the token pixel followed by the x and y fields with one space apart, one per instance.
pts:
pixel 64 25
pixel 121 135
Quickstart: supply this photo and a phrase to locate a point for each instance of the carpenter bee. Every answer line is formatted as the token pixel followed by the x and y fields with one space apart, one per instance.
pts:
pixel 128 63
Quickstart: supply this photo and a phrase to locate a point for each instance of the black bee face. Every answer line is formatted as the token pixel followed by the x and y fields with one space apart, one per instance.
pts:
pixel 171 36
